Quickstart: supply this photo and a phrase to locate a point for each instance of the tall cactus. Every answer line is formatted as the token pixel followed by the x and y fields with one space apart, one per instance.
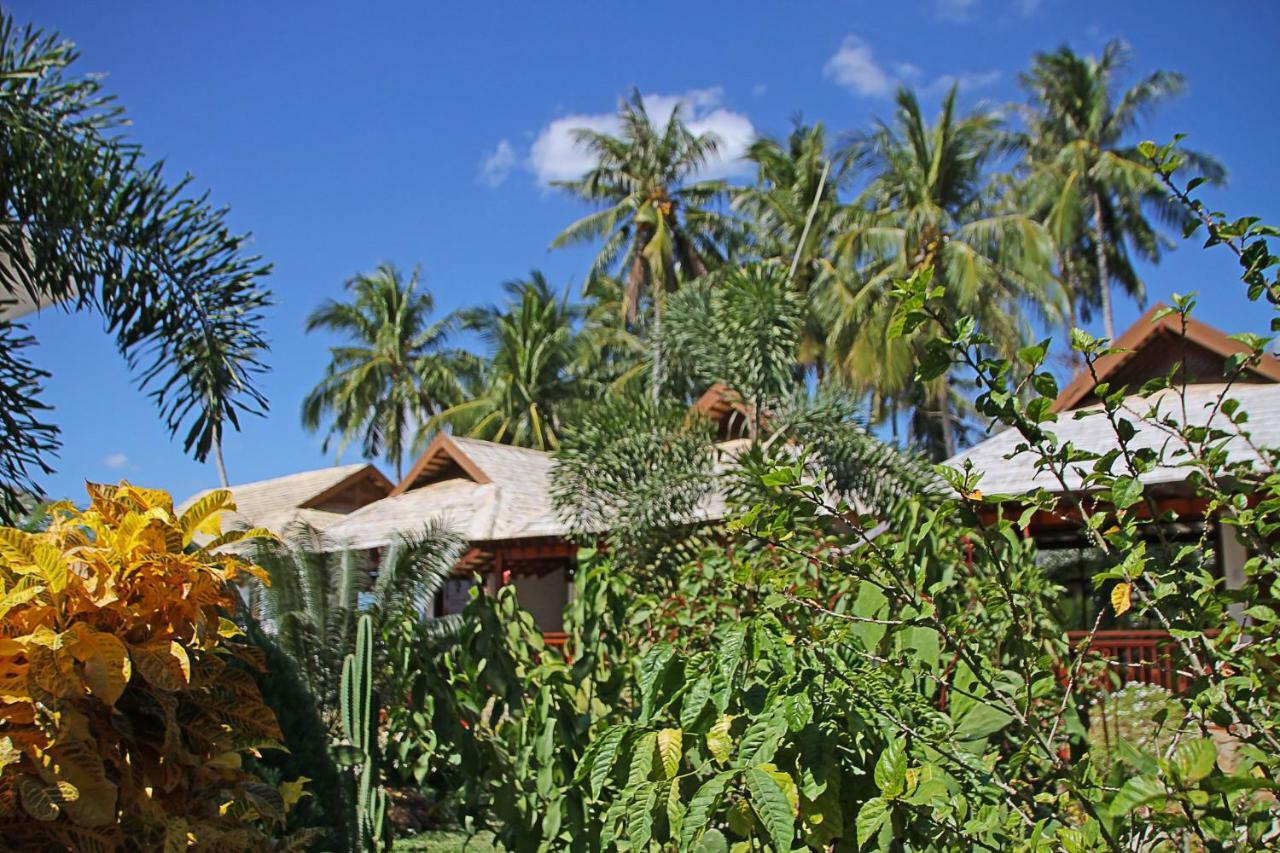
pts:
pixel 358 723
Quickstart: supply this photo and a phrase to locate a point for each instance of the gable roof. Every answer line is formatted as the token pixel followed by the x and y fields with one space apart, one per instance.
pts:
pixel 309 496
pixel 1008 471
pixel 481 490
pixel 1147 346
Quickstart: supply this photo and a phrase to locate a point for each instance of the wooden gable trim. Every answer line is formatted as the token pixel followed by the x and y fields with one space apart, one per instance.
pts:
pixel 441 445
pixel 1143 332
pixel 368 472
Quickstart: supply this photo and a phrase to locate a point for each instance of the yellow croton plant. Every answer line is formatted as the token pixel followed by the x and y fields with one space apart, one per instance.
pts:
pixel 127 700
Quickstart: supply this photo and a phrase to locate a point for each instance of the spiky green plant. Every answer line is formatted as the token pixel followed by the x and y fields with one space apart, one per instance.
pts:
pixel 359 715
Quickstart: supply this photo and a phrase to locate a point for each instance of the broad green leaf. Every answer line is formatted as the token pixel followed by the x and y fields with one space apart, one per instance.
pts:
pixel 891 769
pixel 871 817
pixel 981 720
pixel 772 807
pixel 611 743
pixel 694 702
pixel 1136 791
pixel 762 738
pixel 640 816
pixel 1194 759
pixel 642 759
pixel 698 816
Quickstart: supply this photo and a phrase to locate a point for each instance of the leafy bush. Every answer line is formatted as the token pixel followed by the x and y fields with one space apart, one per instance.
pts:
pixel 126 695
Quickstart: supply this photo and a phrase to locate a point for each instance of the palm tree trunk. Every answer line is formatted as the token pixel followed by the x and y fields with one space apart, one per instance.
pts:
pixel 656 378
pixel 1104 282
pixel 944 412
pixel 217 460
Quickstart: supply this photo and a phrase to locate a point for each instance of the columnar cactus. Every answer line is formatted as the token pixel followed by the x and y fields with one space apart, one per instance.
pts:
pixel 359 725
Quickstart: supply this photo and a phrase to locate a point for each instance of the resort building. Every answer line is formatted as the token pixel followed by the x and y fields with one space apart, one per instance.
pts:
pixel 1151 348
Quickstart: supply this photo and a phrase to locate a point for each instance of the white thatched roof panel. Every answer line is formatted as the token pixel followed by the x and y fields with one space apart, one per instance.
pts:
pixel 514 504
pixel 276 503
pixel 1016 475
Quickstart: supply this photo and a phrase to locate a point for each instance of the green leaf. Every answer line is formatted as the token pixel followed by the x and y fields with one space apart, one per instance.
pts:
pixel 694 702
pixel 1136 791
pixel 762 738
pixel 772 807
pixel 713 841
pixel 653 667
pixel 698 815
pixel 980 721
pixel 891 769
pixel 610 744
pixel 871 817
pixel 642 759
pixel 1125 492
pixel 1194 759
pixel 640 817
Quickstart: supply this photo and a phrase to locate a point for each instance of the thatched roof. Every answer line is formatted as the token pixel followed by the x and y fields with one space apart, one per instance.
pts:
pixel 1006 472
pixel 317 498
pixel 481 490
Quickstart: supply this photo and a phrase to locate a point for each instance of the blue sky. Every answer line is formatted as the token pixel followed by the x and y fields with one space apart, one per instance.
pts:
pixel 345 134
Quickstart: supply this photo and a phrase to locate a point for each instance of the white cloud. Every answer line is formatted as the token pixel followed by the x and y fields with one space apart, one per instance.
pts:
pixel 856 69
pixel 116 460
pixel 556 156
pixel 495 168
pixel 759 89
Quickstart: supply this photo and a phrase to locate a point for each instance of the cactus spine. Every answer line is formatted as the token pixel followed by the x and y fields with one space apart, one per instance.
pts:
pixel 359 725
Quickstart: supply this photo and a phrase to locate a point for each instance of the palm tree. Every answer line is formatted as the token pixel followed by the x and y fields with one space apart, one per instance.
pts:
pixel 656 221
pixel 317 592
pixel 792 213
pixel 929 206
pixel 525 387
pixel 90 225
pixel 395 372
pixel 1094 191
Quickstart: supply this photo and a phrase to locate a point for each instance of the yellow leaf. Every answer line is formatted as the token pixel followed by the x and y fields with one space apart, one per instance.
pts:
pixel 292 792
pixel 205 515
pixel 1120 594
pixel 975 495
pixel 670 748
pixel 18 597
pixel 52 567
pixel 719 741
pixel 107 667
pixel 9 754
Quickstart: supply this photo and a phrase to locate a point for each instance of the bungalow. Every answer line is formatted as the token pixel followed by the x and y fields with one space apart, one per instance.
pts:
pixel 495 496
pixel 1150 348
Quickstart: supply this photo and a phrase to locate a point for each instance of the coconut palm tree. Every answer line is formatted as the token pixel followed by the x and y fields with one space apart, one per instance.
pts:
pixel 1093 190
pixel 792 213
pixel 929 206
pixel 394 373
pixel 656 221
pixel 521 396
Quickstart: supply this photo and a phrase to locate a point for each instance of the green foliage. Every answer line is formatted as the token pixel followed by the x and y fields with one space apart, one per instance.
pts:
pixel 521 396
pixel 361 750
pixel 393 373
pixel 89 224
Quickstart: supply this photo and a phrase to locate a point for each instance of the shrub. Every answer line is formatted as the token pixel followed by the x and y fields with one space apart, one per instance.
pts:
pixel 126 698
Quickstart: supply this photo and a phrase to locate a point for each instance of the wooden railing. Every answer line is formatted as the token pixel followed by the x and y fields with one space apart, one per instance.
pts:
pixel 1142 657
pixel 555 639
